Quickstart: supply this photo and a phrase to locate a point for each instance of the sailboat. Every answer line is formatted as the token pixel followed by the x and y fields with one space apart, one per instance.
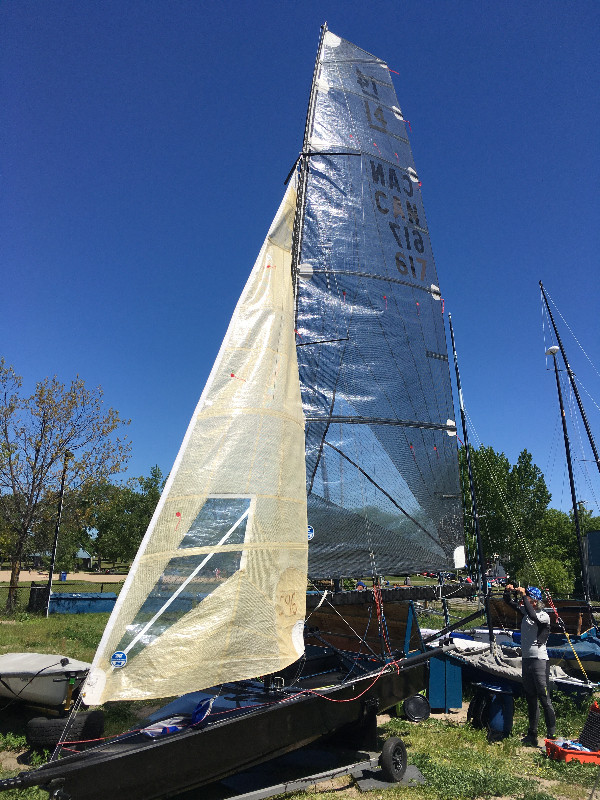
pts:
pixel 322 446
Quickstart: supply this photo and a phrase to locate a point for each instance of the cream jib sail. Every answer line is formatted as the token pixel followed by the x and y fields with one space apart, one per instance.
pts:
pixel 218 589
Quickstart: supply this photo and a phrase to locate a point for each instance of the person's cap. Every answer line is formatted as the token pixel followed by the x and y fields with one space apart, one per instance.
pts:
pixel 534 592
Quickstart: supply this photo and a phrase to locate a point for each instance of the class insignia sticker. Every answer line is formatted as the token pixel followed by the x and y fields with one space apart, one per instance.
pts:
pixel 118 659
pixel 311 532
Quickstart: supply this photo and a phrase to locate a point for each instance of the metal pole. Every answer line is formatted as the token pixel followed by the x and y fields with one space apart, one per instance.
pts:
pixel 67 456
pixel 304 160
pixel 571 375
pixel 584 572
pixel 482 582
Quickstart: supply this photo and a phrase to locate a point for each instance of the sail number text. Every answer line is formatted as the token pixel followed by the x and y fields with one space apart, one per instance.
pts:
pixel 391 200
pixel 393 188
pixel 288 605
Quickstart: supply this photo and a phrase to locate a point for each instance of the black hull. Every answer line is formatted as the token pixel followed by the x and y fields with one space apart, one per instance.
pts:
pixel 143 769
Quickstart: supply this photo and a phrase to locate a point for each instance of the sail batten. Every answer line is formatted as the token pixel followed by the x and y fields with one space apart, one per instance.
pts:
pixel 403 423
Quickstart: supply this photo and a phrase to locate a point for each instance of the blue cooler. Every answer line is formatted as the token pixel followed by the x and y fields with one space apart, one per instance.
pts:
pixel 500 712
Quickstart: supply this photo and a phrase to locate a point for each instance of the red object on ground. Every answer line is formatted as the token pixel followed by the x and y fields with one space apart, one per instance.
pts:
pixel 559 753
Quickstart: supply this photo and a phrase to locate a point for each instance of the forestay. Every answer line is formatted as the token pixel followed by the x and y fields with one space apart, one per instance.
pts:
pixel 382 470
pixel 217 591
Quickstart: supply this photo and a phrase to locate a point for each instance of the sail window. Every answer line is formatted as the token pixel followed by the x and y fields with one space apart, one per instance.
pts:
pixel 192 574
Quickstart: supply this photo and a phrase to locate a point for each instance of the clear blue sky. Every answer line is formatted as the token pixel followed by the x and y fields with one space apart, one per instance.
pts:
pixel 143 151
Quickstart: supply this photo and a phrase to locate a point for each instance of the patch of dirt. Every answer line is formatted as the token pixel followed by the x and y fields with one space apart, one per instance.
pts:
pixel 92 577
pixel 9 760
pixel 343 785
pixel 456 715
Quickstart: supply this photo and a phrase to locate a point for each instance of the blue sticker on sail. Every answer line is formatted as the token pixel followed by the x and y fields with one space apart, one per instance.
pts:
pixel 311 532
pixel 118 659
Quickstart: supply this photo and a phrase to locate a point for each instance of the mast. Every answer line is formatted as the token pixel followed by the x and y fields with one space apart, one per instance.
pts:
pixel 480 554
pixel 552 351
pixel 304 165
pixel 571 375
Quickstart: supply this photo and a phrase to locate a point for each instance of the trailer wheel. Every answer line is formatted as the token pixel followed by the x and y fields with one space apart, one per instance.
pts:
pixel 393 759
pixel 45 732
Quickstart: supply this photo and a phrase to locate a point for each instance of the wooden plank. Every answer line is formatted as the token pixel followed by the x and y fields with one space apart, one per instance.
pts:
pixel 362 618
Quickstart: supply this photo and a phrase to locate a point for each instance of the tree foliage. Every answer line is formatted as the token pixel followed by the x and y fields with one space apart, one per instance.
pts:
pixel 119 515
pixel 554 575
pixel 537 544
pixel 36 435
pixel 511 502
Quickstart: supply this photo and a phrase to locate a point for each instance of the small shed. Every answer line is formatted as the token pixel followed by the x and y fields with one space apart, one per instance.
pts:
pixel 84 559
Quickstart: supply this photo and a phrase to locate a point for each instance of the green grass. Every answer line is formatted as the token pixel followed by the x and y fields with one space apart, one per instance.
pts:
pixel 73 635
pixel 459 763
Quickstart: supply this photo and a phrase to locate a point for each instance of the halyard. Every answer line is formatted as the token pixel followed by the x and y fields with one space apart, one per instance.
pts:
pixel 456 760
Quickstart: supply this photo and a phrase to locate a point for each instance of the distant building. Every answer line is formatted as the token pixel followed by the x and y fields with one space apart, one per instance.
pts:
pixel 37 559
pixel 84 559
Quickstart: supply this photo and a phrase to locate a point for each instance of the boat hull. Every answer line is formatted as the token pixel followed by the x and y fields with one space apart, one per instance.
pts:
pixel 39 678
pixel 163 767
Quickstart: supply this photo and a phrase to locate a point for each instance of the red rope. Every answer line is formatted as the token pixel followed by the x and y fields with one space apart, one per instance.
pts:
pixel 381 616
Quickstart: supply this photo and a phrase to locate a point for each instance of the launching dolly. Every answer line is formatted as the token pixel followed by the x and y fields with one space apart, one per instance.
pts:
pixel 369 769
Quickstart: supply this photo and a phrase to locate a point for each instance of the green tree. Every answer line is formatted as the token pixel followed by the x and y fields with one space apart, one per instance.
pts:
pixel 119 515
pixel 528 495
pixel 556 576
pixel 490 476
pixel 73 531
pixel 511 502
pixel 36 433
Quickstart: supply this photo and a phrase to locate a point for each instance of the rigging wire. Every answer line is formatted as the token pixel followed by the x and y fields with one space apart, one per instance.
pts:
pixel 330 604
pixel 588 394
pixel 572 334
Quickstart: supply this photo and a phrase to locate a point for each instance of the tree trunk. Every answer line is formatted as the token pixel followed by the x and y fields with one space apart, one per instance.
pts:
pixel 11 600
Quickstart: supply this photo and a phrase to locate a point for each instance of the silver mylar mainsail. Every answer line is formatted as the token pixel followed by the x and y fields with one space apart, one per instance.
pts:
pixel 382 469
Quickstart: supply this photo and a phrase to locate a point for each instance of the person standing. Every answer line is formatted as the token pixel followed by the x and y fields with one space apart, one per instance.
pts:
pixel 535 629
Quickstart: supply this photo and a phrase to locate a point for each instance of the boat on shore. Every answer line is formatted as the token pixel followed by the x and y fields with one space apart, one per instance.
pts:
pixel 41 679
